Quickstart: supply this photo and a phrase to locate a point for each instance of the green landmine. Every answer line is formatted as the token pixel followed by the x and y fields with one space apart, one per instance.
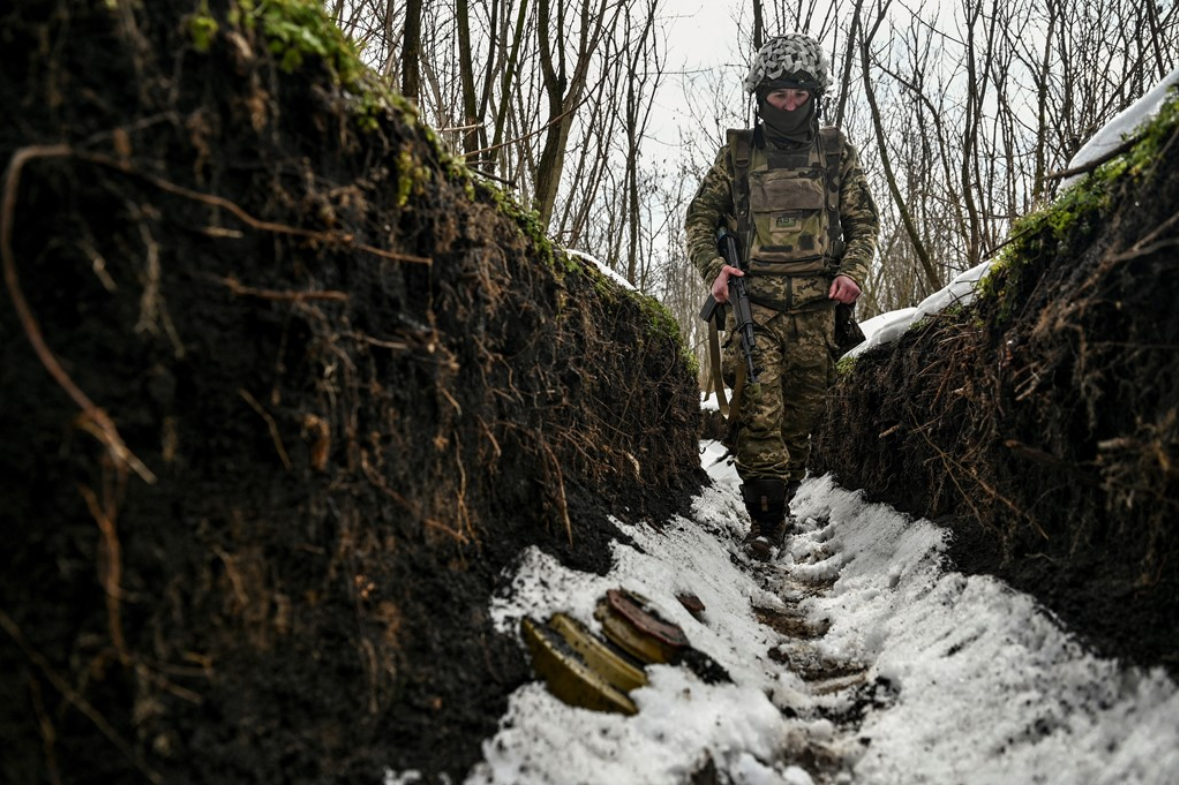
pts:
pixel 567 674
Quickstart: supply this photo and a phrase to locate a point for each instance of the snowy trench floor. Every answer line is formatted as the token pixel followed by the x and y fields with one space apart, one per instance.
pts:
pixel 856 657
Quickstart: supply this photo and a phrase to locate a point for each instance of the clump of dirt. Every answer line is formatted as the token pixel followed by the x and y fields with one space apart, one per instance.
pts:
pixel 283 392
pixel 1042 424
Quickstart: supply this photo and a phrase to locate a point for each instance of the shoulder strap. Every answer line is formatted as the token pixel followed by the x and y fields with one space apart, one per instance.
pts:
pixel 740 142
pixel 831 145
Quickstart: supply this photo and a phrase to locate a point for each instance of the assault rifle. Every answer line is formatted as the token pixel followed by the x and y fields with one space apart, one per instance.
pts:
pixel 726 244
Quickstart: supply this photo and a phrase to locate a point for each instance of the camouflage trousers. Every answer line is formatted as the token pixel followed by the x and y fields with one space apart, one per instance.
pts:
pixel 795 355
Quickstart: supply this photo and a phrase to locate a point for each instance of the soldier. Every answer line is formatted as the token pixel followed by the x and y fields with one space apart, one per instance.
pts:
pixel 798 201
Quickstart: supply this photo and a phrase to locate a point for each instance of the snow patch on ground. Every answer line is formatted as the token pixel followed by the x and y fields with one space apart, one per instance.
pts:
pixel 931 676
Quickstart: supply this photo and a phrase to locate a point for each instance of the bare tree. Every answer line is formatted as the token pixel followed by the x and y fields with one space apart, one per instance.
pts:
pixel 960 112
pixel 565 84
pixel 412 48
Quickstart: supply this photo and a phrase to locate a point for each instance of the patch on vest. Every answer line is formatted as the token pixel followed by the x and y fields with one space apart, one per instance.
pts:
pixel 786 222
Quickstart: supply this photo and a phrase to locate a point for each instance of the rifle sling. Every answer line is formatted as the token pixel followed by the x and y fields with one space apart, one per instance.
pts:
pixel 738 395
pixel 714 358
pixel 741 150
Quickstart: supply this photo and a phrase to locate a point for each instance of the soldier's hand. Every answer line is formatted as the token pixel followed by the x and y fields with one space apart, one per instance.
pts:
pixel 842 289
pixel 720 287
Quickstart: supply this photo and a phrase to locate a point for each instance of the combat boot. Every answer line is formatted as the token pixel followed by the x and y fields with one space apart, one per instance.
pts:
pixel 765 499
pixel 754 534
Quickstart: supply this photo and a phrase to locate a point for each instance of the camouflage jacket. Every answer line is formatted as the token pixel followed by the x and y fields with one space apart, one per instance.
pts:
pixel 713 207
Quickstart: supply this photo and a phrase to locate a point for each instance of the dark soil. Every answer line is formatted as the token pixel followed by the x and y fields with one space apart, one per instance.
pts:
pixel 282 398
pixel 1042 425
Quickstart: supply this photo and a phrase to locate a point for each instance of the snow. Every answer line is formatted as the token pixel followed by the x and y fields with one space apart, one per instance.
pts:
pixel 602 267
pixel 1123 125
pixel 889 326
pixel 932 676
pixel 708 402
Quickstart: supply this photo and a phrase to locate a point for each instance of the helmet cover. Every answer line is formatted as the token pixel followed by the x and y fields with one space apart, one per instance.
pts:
pixel 794 59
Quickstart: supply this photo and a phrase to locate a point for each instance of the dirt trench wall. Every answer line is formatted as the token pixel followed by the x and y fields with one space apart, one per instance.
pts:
pixel 283 391
pixel 1042 424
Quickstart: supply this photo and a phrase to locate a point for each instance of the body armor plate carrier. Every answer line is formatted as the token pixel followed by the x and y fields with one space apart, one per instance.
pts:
pixel 787 207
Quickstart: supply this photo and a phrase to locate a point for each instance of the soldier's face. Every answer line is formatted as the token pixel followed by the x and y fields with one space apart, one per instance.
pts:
pixel 788 99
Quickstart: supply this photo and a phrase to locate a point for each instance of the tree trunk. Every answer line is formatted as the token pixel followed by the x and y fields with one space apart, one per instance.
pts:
pixel 411 77
pixel 932 278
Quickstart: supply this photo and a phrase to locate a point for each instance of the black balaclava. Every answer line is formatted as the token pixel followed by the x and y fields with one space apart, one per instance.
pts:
pixel 785 128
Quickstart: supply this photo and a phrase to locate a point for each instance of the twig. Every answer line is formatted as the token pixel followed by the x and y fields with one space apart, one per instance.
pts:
pixel 1142 249
pixel 456 129
pixel 490 437
pixel 950 464
pixel 103 427
pixel 48 732
pixel 1109 155
pixel 561 501
pixel 237 288
pixel 490 176
pixel 991 253
pixel 253 402
pixel 377 342
pixel 110 574
pixel 152 308
pixel 379 482
pixel 264 226
pixel 464 514
pixel 447 395
pixel 435 524
pixel 537 132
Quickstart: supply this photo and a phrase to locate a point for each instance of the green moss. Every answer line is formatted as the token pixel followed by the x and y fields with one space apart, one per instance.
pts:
pixel 296 31
pixel 955 309
pixel 241 14
pixel 1071 220
pixel 1143 158
pixel 299 31
pixel 691 361
pixel 605 287
pixel 663 325
pixel 661 321
pixel 202 28
pixel 454 167
pixel 406 172
pixel 1067 223
pixel 527 220
pixel 370 106
pixel 920 324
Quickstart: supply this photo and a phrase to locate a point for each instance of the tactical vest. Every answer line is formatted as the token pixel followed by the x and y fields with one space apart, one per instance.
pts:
pixel 787 204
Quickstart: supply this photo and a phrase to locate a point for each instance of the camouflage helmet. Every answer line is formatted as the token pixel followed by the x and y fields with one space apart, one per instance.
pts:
pixel 791 60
